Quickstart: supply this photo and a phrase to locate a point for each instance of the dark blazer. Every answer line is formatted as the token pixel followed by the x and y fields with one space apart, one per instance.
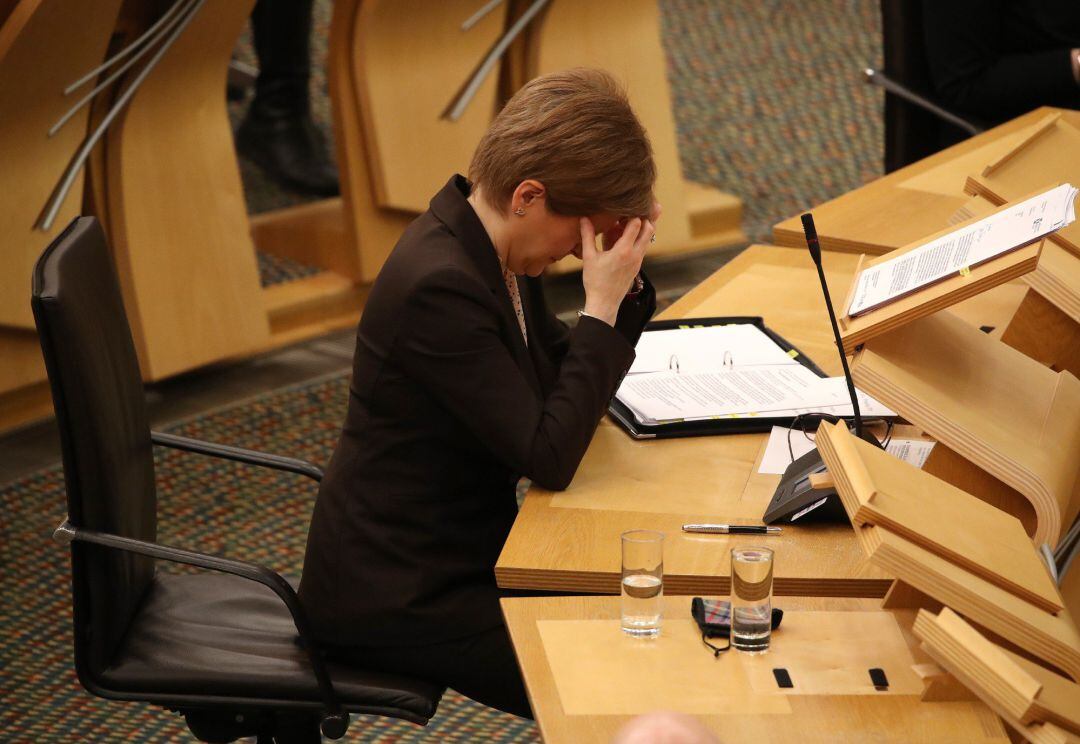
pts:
pixel 448 408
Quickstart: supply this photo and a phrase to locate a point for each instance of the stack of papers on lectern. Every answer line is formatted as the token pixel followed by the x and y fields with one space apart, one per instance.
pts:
pixel 737 370
pixel 958 251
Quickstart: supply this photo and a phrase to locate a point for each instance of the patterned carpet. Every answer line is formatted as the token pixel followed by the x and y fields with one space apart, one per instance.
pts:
pixel 779 117
pixel 279 269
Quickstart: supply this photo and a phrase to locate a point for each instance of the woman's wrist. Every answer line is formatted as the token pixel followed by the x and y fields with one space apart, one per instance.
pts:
pixel 607 315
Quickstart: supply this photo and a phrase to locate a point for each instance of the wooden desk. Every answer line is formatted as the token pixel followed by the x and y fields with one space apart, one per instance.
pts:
pixel 569 541
pixel 586 679
pixel 907 204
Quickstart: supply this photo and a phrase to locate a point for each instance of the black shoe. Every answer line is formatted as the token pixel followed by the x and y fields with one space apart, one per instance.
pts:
pixel 278 134
pixel 292 151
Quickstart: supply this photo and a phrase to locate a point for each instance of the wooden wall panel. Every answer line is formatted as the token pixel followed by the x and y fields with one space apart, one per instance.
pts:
pixel 44 46
pixel 411 58
pixel 177 215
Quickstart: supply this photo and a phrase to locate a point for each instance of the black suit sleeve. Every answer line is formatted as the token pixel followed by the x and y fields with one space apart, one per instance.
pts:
pixel 975 74
pixel 634 313
pixel 450 343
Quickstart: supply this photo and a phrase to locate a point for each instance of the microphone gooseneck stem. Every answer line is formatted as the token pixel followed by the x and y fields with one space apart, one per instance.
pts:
pixel 815 252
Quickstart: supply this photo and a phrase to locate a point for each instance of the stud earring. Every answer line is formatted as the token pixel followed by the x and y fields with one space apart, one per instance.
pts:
pixel 520 211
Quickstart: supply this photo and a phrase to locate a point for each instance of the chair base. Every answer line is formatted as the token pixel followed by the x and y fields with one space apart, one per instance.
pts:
pixel 217 726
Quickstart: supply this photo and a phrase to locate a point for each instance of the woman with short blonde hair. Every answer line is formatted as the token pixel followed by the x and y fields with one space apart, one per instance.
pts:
pixel 464 382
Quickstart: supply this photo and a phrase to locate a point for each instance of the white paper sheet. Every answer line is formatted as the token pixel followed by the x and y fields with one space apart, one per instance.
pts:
pixel 672 396
pixel 779 391
pixel 706 349
pixel 969 246
pixel 776 457
pixel 830 395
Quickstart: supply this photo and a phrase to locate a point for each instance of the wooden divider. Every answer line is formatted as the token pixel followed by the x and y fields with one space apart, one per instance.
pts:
pixel 45 45
pixel 177 218
pixel 928 561
pixel 1040 705
pixel 1046 325
pixel 410 59
pixel 881 490
pixel 895 209
pixel 1048 155
pixel 1007 416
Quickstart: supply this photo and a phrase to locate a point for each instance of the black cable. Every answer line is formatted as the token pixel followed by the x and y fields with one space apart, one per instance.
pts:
pixel 716 650
pixel 801 420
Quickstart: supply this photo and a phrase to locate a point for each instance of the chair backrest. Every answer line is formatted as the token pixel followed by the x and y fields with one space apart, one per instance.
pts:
pixel 911 132
pixel 104 433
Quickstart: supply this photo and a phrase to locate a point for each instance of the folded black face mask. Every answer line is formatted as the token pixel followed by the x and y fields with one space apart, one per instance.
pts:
pixel 713 618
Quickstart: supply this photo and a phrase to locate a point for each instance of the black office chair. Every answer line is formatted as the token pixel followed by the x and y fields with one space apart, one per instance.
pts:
pixel 915 124
pixel 231 649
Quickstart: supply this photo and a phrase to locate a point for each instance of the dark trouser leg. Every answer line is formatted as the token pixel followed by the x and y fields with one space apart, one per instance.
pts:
pixel 278 133
pixel 482 667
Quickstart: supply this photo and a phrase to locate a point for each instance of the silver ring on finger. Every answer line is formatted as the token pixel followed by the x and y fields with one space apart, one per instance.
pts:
pixel 653 238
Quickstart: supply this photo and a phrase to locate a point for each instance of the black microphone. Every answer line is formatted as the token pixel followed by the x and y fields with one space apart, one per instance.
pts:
pixel 795 498
pixel 815 253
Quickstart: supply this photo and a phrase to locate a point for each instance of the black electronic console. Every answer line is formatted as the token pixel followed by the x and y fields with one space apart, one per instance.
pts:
pixel 795 500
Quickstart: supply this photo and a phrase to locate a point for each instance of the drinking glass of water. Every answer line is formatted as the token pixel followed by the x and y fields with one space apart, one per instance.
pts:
pixel 751 598
pixel 642 582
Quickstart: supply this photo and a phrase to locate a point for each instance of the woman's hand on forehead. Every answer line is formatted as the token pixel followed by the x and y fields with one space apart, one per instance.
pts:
pixel 613 233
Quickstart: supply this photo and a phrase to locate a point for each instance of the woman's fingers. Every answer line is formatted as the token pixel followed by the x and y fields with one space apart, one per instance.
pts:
pixel 655 212
pixel 630 233
pixel 645 236
pixel 588 237
pixel 642 243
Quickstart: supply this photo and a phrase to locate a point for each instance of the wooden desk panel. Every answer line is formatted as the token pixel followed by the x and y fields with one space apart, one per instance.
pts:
pixel 175 211
pixel 569 541
pixel 907 204
pixel 42 51
pixel 586 679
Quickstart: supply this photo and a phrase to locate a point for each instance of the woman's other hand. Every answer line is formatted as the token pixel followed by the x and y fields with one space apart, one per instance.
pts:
pixel 608 274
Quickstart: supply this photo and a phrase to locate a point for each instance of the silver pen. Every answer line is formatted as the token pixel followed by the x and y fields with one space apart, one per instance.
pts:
pixel 732 529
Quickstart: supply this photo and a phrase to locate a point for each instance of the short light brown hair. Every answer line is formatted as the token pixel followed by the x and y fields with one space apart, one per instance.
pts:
pixel 574 132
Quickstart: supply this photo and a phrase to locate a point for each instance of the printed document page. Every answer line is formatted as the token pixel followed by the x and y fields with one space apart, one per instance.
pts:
pixel 707 349
pixel 781 391
pixel 777 455
pixel 969 246
pixel 674 396
pixel 830 395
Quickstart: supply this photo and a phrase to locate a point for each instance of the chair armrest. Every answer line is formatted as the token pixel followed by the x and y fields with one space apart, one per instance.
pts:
pixel 1047 556
pixel 877 77
pixel 1067 550
pixel 336 720
pixel 238 454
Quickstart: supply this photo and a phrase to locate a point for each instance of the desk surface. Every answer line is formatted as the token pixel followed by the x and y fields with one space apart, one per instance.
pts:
pixel 569 541
pixel 586 679
pixel 914 201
